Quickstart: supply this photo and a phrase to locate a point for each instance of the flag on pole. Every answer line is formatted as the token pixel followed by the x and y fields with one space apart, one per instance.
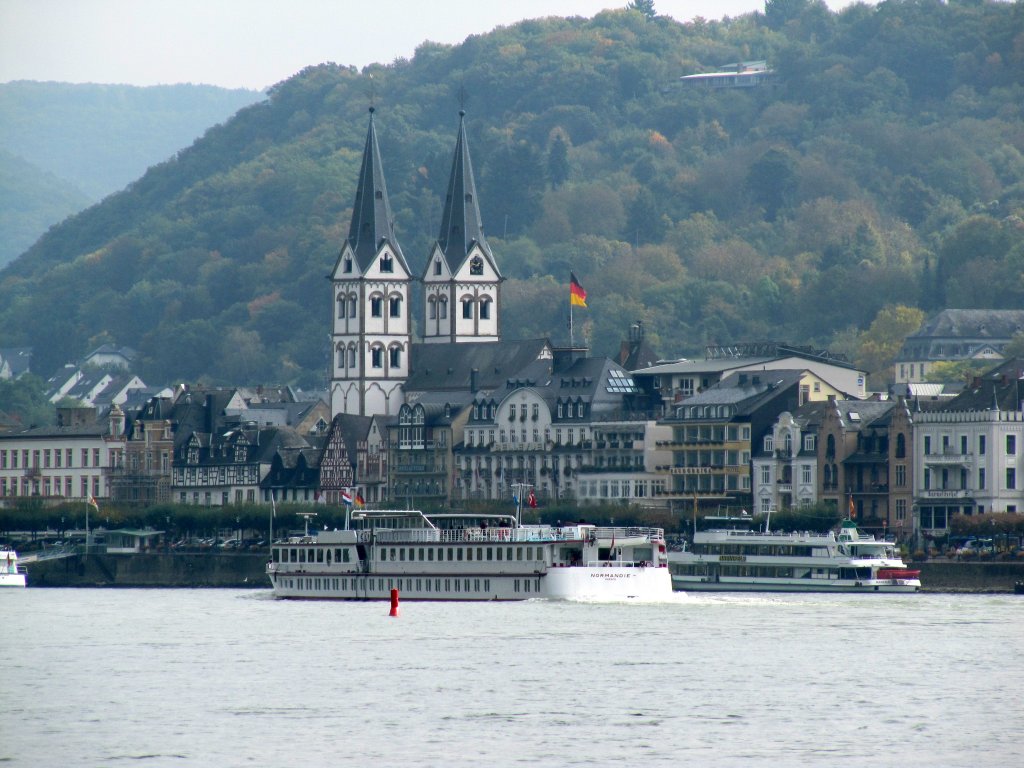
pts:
pixel 346 496
pixel 532 499
pixel 273 503
pixel 93 504
pixel 577 296
pixel 360 501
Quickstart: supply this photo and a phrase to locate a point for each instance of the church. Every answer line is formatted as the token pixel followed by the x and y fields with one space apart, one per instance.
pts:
pixel 374 355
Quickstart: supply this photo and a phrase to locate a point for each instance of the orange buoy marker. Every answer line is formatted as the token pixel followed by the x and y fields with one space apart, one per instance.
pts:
pixel 394 602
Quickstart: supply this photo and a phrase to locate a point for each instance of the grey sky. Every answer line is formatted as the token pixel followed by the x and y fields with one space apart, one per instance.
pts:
pixel 256 43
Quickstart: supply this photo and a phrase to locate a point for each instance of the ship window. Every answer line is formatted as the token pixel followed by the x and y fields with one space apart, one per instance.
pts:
pixel 490 554
pixel 459 551
pixel 469 553
pixel 480 553
pixel 430 555
pixel 450 554
pixel 499 553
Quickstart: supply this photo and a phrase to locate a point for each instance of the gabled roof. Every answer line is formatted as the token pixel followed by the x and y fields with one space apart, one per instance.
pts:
pixel 372 219
pixel 972 323
pixel 1001 388
pixel 461 225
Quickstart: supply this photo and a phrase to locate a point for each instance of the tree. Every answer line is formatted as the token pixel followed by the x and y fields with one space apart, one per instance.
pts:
pixel 646 7
pixel 880 343
pixel 558 162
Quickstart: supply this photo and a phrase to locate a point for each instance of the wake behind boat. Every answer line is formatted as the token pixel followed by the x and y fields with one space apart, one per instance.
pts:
pixel 11 574
pixel 471 557
pixel 753 561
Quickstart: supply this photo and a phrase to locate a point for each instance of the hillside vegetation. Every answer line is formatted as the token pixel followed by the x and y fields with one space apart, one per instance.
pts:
pixel 884 168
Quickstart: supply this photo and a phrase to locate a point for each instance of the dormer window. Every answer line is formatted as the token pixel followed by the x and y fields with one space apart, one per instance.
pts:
pixel 347 265
pixel 769 443
pixel 476 266
pixel 437 266
pixel 387 264
pixel 239 453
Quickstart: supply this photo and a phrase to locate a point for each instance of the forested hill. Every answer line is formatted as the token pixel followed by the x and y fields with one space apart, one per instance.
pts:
pixel 64 146
pixel 884 166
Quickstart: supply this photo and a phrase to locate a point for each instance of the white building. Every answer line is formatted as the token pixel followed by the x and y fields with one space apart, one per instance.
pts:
pixel 969 451
pixel 66 462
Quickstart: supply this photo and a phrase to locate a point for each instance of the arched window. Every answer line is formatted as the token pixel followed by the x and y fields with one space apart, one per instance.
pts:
pixel 432 308
pixel 341 307
pixel 442 308
pixel 387 264
pixel 353 307
pixel 341 356
pixel 901 446
pixel 830 446
pixel 395 306
pixel 377 357
pixel 377 306
pixel 352 356
pixel 395 357
pixel 467 309
pixel 485 309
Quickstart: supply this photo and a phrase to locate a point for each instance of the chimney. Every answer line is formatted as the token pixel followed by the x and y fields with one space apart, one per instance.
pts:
pixel 473 378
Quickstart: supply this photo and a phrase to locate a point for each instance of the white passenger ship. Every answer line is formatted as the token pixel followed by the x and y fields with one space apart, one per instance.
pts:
pixel 461 557
pixel 11 574
pixel 753 561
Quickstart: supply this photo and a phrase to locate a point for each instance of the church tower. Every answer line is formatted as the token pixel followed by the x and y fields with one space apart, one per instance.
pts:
pixel 461 281
pixel 371 330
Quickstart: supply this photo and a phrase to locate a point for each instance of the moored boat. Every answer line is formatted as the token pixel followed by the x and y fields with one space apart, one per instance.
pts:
pixel 755 561
pixel 470 557
pixel 11 574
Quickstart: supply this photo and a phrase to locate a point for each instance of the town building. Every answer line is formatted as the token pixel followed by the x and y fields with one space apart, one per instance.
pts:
pixel 63 462
pixel 677 380
pixel 955 335
pixel 969 451
pixel 715 432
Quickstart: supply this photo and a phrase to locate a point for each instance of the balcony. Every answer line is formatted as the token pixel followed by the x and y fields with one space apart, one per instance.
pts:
pixel 785 487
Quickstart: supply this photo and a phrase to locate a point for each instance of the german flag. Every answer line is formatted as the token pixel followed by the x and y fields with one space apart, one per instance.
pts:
pixel 577 296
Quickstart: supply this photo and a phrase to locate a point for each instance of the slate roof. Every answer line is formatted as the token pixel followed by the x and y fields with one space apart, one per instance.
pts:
pixel 372 219
pixel 461 225
pixel 449 367
pixel 972 323
pixel 1000 388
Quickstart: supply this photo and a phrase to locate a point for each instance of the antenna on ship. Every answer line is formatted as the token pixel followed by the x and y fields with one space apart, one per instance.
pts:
pixel 306 516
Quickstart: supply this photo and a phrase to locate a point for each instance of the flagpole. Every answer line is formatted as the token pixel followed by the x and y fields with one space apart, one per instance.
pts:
pixel 572 345
pixel 273 514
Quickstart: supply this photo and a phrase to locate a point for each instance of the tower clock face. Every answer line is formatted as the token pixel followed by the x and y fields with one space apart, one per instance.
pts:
pixel 476 266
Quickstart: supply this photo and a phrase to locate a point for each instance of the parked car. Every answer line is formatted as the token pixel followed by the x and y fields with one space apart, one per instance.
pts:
pixel 976 547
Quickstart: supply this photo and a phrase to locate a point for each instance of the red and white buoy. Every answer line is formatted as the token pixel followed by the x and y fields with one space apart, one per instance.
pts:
pixel 394 602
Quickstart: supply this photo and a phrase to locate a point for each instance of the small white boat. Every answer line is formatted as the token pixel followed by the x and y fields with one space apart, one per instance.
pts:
pixel 471 557
pixel 755 561
pixel 11 574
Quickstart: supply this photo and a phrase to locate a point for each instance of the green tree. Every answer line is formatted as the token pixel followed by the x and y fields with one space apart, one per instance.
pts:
pixel 23 401
pixel 880 343
pixel 646 7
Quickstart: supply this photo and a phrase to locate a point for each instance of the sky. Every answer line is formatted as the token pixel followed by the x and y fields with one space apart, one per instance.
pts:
pixel 257 43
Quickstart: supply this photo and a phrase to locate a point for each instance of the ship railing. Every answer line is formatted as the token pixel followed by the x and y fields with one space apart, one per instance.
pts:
pixel 619 564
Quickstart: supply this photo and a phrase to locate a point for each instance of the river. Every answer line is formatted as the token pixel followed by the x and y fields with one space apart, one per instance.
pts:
pixel 107 677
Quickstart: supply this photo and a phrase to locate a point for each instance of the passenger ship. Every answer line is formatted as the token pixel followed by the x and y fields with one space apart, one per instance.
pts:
pixel 11 574
pixel 754 561
pixel 462 557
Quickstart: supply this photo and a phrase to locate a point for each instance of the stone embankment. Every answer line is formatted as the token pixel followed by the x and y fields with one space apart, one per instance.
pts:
pixel 960 576
pixel 248 570
pixel 152 570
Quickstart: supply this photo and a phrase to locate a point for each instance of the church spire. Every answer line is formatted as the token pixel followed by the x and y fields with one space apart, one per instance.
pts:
pixel 372 220
pixel 461 226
